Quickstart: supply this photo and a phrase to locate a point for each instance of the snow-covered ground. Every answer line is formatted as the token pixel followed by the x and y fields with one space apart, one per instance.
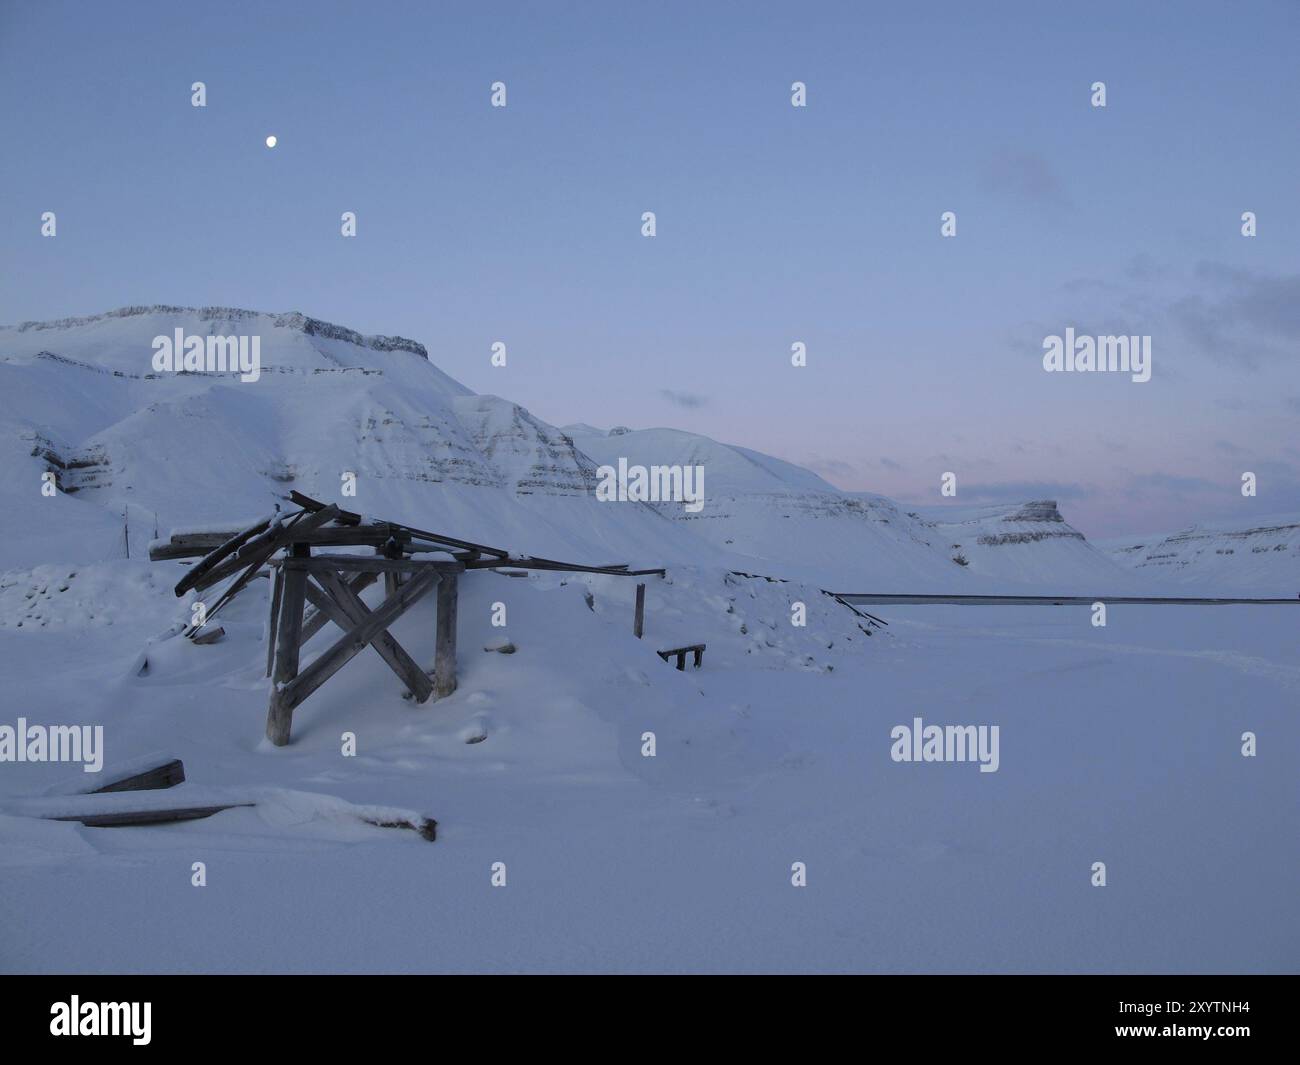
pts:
pixel 1119 744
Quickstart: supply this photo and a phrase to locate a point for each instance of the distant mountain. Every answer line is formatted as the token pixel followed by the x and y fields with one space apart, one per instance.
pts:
pixel 787 518
pixel 1256 555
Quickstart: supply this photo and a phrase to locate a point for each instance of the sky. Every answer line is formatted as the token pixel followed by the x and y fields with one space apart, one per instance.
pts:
pixel 774 224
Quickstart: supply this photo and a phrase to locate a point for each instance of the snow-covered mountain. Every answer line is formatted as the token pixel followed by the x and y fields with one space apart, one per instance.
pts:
pixel 137 451
pixel 1257 555
pixel 1029 542
pixel 785 516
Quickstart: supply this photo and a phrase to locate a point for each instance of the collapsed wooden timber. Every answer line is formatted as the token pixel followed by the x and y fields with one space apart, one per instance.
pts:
pixel 312 590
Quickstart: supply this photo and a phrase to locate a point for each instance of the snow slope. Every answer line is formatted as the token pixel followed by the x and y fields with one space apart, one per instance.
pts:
pixel 1113 742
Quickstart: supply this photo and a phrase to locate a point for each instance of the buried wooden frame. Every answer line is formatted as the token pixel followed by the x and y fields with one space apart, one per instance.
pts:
pixel 320 580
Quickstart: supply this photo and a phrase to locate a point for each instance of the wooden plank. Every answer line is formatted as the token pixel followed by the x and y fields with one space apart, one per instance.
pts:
pixel 444 661
pixel 279 714
pixel 354 612
pixel 132 818
pixel 164 775
pixel 207 634
pixel 638 618
pixel 347 647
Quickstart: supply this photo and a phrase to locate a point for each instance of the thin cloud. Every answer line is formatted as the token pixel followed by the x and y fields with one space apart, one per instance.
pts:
pixel 689 400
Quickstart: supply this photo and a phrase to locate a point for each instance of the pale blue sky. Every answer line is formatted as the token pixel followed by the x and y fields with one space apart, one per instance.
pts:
pixel 775 224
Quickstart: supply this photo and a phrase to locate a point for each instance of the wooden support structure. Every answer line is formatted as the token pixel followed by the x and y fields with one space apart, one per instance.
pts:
pixel 638 619
pixel 361 627
pixel 306 572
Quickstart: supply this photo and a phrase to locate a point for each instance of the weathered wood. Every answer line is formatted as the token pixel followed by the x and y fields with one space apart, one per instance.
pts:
pixel 345 517
pixel 229 547
pixel 275 617
pixel 292 692
pixel 164 775
pixel 299 525
pixel 130 818
pixel 268 548
pixel 318 619
pixel 200 544
pixel 207 634
pixel 638 619
pixel 407 530
pixel 279 714
pixel 351 612
pixel 444 660
pixel 681 652
pixel 369 564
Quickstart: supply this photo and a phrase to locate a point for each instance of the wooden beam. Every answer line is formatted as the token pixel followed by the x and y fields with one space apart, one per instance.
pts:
pixel 638 618
pixel 351 612
pixel 292 692
pixel 229 547
pixel 369 564
pixel 164 775
pixel 279 714
pixel 444 661
pixel 267 549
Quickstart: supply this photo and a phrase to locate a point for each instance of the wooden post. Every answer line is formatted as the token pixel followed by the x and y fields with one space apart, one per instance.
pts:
pixel 444 659
pixel 276 594
pixel 279 715
pixel 638 622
